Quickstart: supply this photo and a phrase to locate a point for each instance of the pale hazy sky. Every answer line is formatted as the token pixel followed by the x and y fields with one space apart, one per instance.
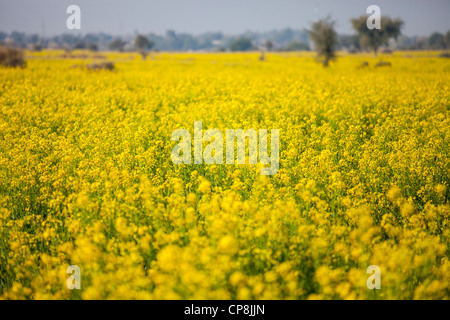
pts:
pixel 230 16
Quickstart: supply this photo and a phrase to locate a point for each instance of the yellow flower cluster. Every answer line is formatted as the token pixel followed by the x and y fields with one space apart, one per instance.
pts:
pixel 86 179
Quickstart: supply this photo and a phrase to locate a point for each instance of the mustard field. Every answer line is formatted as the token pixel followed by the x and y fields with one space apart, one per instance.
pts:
pixel 87 179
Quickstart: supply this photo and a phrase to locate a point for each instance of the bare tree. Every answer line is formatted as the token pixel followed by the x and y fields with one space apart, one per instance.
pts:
pixel 324 36
pixel 375 38
pixel 143 44
pixel 269 45
pixel 117 44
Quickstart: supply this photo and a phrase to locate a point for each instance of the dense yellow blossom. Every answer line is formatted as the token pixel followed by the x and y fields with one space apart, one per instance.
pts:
pixel 86 178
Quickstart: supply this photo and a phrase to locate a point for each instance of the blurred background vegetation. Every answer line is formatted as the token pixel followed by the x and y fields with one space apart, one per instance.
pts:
pixel 276 40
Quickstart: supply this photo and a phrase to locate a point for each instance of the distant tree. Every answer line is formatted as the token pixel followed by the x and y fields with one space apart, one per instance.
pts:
pixel 117 44
pixel 436 41
pixel 92 46
pixel 3 35
pixel 188 42
pixel 37 47
pixel 296 46
pixel 79 45
pixel 268 45
pixel 33 39
pixel 324 36
pixel 173 41
pixel 143 44
pixel 19 38
pixel 447 39
pixel 375 38
pixel 35 42
pixel 68 41
pixel 241 44
pixel 284 36
pixel 349 42
pixel 421 43
pixel 91 38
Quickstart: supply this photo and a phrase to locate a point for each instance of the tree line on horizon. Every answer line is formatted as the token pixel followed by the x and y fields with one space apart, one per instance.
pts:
pixel 277 40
